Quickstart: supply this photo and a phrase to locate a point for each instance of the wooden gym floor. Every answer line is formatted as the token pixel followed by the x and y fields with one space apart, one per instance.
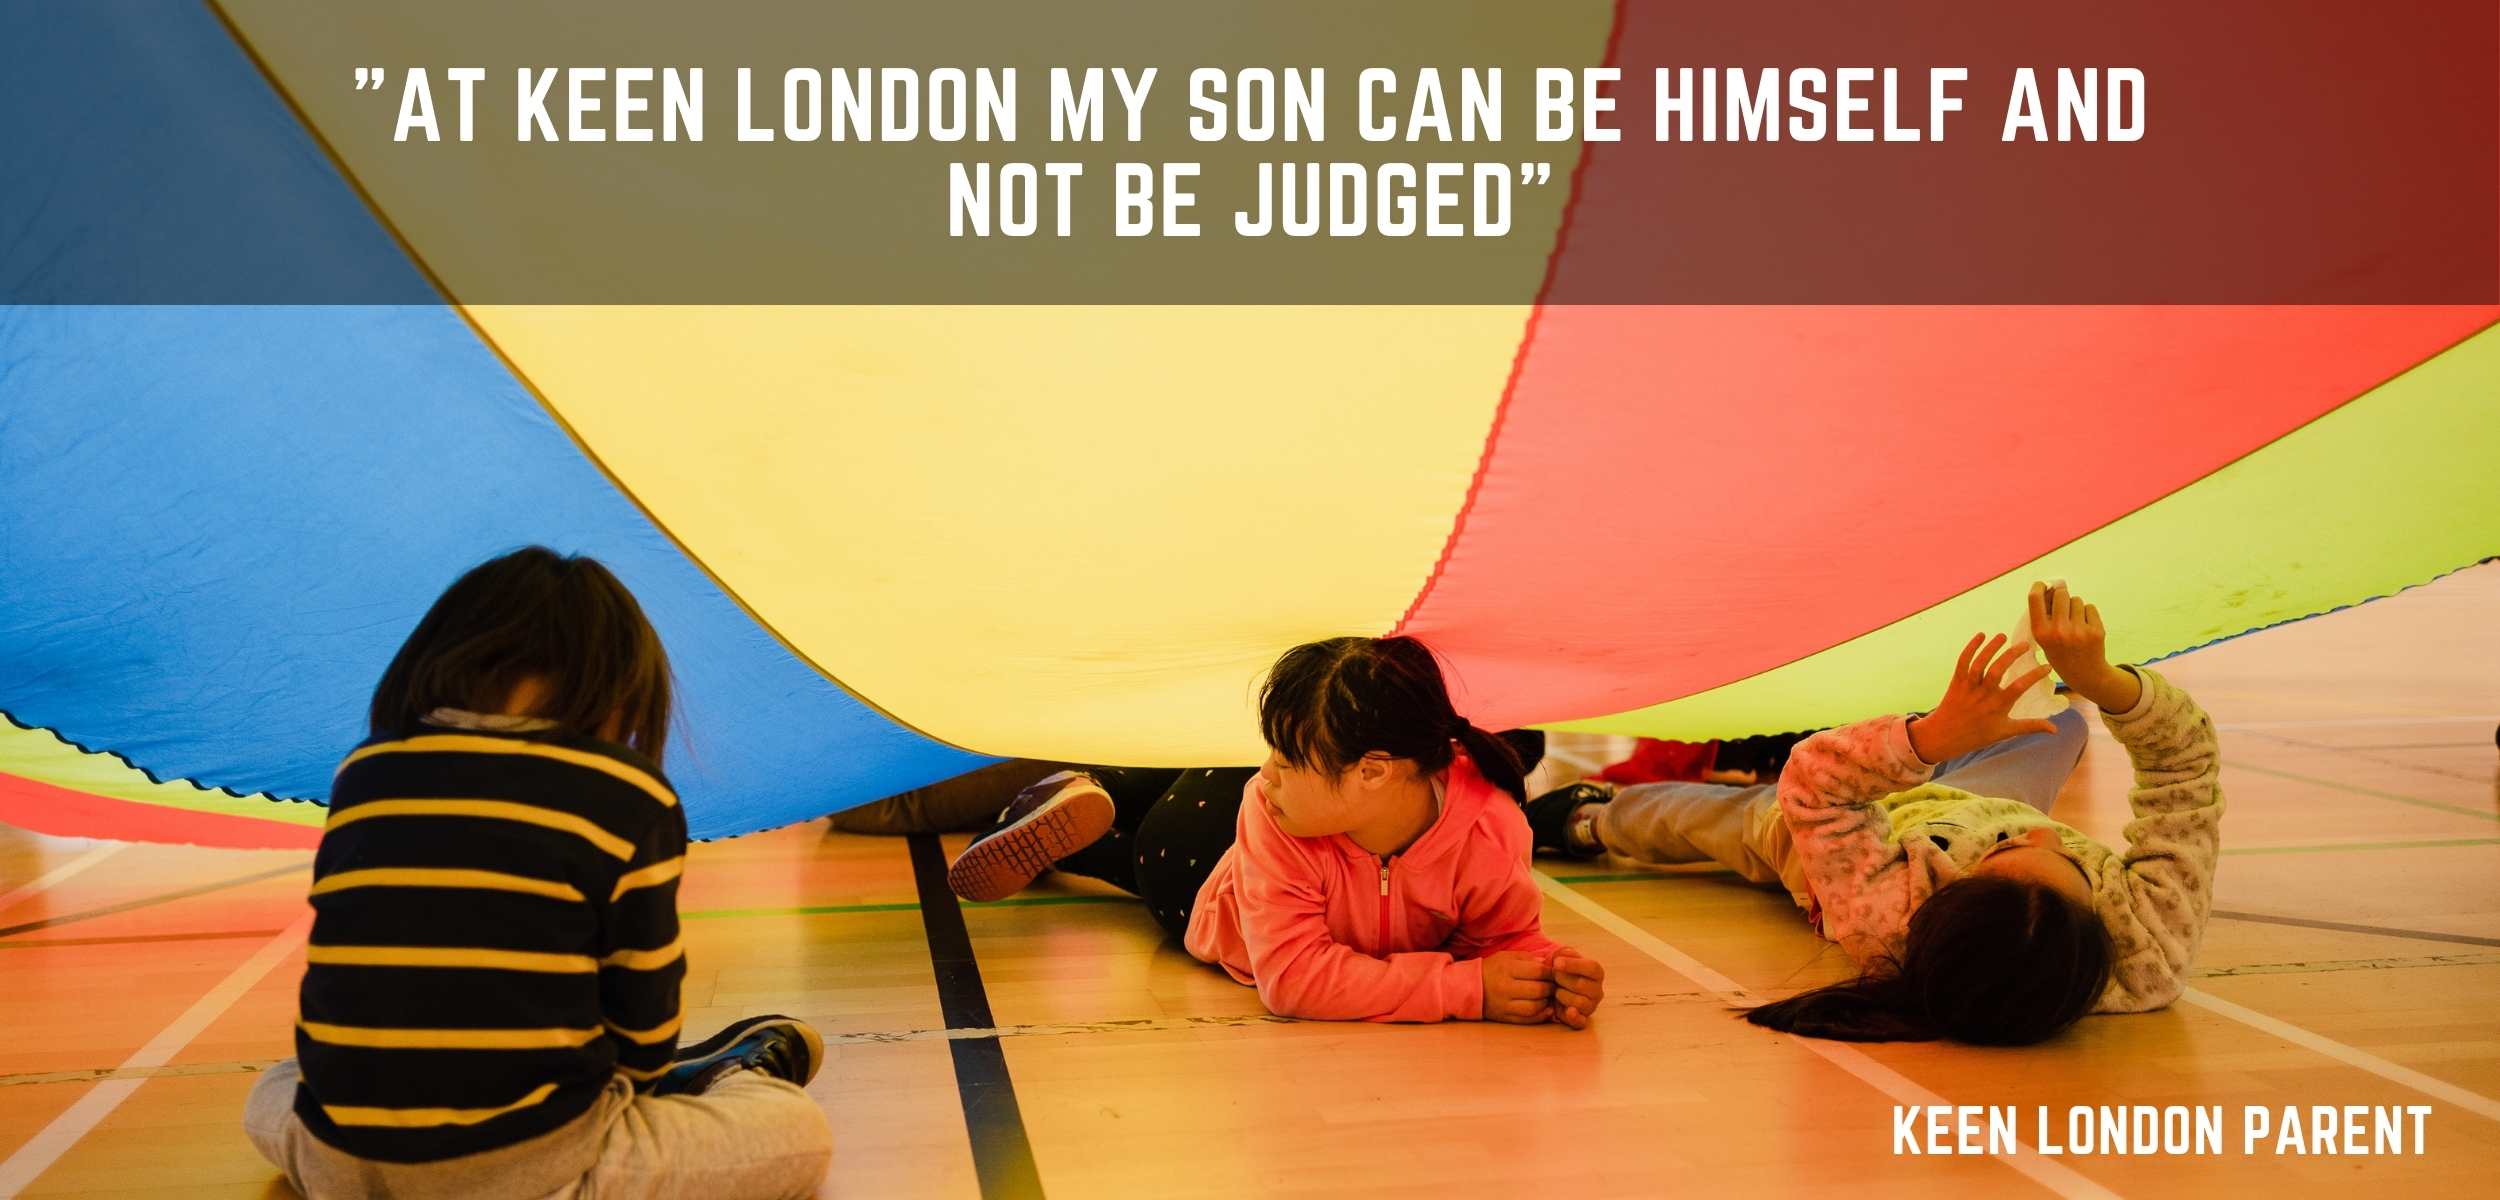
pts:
pixel 1055 1043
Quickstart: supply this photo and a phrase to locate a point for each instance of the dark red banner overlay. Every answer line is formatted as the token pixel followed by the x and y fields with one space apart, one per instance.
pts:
pixel 2276 151
pixel 2271 152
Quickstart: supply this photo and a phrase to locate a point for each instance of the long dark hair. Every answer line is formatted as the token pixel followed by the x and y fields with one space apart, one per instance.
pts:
pixel 560 618
pixel 1990 961
pixel 1327 704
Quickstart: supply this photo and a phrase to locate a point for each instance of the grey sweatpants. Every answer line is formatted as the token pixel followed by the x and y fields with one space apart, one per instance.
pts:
pixel 749 1135
pixel 1740 828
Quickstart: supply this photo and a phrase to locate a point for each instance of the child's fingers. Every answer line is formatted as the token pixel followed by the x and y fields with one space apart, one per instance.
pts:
pixel 2092 620
pixel 2005 662
pixel 1522 1012
pixel 1571 1017
pixel 1525 966
pixel 2023 682
pixel 1586 985
pixel 1961 666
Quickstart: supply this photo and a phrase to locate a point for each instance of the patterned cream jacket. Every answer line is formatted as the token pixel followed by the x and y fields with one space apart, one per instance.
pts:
pixel 1877 839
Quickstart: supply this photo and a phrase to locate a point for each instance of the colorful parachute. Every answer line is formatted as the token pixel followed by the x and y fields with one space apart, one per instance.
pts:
pixel 881 543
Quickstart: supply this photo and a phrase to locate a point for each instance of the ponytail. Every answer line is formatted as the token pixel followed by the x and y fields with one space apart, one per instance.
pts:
pixel 1870 1008
pixel 1987 960
pixel 1495 760
pixel 1327 704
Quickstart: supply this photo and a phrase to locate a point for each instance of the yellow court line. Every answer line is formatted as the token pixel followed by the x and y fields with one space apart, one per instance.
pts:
pixel 426 1118
pixel 491 810
pixel 469 743
pixel 460 957
pixel 444 877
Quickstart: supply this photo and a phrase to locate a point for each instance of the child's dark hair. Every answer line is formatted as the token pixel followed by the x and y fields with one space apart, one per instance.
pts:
pixel 563 619
pixel 1990 961
pixel 1327 704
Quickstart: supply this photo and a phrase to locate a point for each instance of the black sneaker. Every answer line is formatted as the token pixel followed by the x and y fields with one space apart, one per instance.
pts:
pixel 783 1047
pixel 1549 816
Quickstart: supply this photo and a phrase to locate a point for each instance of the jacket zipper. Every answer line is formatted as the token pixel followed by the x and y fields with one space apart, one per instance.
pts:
pixel 1384 905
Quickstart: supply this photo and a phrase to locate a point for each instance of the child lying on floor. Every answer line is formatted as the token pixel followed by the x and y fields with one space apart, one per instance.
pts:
pixel 1374 869
pixel 1923 846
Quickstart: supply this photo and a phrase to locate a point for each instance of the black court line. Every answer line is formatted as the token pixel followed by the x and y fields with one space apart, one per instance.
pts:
pixel 1002 1153
pixel 169 897
pixel 2420 935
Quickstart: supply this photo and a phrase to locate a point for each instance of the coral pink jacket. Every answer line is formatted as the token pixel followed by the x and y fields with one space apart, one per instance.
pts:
pixel 1326 929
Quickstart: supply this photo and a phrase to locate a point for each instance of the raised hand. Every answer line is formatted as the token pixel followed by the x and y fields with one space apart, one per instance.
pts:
pixel 1977 703
pixel 2072 637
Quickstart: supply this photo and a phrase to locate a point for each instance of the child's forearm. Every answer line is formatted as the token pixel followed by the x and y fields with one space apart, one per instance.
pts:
pixel 2110 689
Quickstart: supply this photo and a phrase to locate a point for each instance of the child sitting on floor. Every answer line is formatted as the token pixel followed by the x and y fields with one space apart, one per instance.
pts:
pixel 490 1000
pixel 1922 845
pixel 1374 869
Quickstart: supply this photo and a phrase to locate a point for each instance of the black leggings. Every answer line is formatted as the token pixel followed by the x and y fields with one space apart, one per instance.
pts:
pixel 1168 830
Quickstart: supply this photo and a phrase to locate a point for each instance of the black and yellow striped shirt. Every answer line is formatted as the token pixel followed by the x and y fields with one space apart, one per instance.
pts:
pixel 495 937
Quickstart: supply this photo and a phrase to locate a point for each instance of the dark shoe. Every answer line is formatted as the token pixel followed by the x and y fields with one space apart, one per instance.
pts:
pixel 1047 822
pixel 782 1047
pixel 1549 817
pixel 1764 755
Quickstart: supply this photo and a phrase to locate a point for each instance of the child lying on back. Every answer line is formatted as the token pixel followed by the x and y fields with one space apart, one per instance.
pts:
pixel 1923 846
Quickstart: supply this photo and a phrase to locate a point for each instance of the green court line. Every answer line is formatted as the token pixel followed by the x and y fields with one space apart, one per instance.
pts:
pixel 2324 848
pixel 2458 809
pixel 816 910
pixel 2423 844
pixel 1635 877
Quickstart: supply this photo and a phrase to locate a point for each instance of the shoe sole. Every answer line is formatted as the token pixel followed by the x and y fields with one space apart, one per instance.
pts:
pixel 1007 862
pixel 717 1047
pixel 729 1035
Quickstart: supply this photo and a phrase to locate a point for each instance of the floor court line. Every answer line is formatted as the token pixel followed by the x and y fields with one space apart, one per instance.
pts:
pixel 57 874
pixel 149 901
pixel 205 935
pixel 2419 935
pixel 1702 870
pixel 2044 1171
pixel 52 1141
pixel 2438 1089
pixel 2358 790
pixel 2348 1055
pixel 2471 959
pixel 865 1038
pixel 1002 1150
pixel 2358 722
